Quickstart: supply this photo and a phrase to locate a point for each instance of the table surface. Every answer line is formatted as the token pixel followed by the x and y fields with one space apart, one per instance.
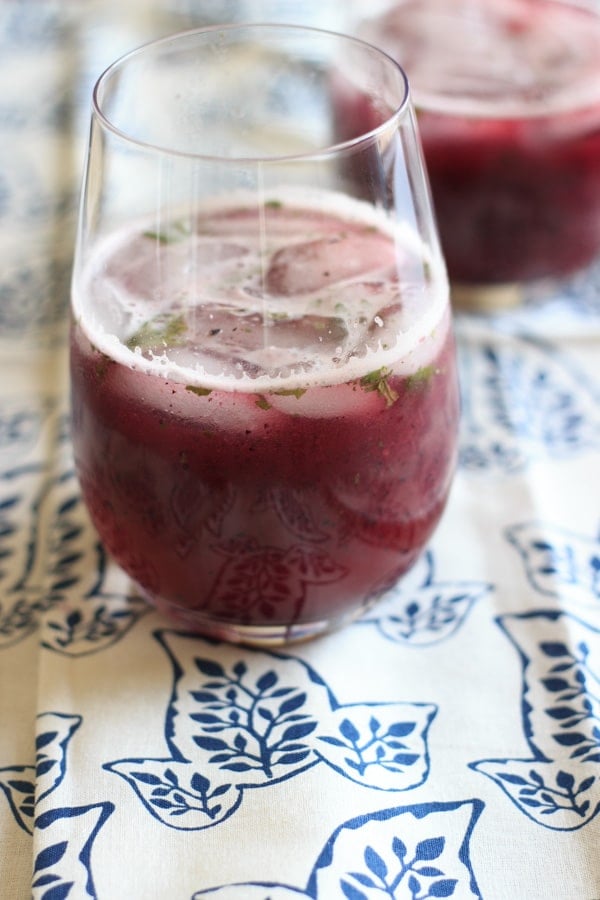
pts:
pixel 446 745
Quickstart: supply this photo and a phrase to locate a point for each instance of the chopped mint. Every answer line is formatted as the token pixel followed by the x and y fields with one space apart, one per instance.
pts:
pixel 422 376
pixel 166 330
pixel 263 403
pixel 170 234
pixel 102 365
pixel 199 391
pixel 378 381
pixel 292 392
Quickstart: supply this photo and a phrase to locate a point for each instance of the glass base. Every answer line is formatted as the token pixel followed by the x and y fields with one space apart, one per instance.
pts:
pixel 256 635
pixel 488 298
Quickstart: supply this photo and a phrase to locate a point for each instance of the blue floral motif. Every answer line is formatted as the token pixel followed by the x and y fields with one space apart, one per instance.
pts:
pixel 53 569
pixel 408 853
pixel 522 400
pixel 30 790
pixel 22 783
pixel 426 613
pixel 58 853
pixel 236 722
pixel 559 786
pixel 379 745
pixel 558 563
pixel 574 302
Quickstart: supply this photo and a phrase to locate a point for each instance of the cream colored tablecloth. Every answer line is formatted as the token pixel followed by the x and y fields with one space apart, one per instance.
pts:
pixel 447 745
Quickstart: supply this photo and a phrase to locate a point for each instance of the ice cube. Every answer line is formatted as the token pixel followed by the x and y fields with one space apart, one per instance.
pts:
pixel 223 340
pixel 314 265
pixel 334 401
pixel 240 331
pixel 151 266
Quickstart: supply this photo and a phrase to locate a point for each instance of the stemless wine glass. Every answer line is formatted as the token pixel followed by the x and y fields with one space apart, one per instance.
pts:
pixel 264 393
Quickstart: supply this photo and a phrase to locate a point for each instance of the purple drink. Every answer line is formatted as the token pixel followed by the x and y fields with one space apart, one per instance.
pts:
pixel 507 94
pixel 271 442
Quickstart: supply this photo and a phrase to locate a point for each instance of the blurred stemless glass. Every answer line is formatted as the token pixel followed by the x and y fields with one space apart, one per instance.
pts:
pixel 507 94
pixel 264 394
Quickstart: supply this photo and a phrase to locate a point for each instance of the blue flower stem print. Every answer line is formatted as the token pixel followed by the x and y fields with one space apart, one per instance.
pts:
pixel 416 852
pixel 53 570
pixel 570 679
pixel 534 792
pixel 378 741
pixel 27 786
pixel 62 859
pixel 411 870
pixel 240 720
pixel 169 793
pixel 254 723
pixel 523 400
pixel 424 613
pixel 559 786
pixel 559 563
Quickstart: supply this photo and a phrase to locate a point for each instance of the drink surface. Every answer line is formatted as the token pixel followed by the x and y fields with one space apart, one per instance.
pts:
pixel 498 58
pixel 280 298
pixel 507 94
pixel 263 457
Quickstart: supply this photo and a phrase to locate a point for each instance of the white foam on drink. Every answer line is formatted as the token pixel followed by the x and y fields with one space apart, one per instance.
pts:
pixel 402 297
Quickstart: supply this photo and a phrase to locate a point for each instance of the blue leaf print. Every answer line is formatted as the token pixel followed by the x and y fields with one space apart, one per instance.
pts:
pixel 50 856
pixel 349 731
pixel 387 750
pixel 394 844
pixel 253 725
pixel 146 778
pixel 292 704
pixel 266 681
pixel 46 738
pixel 210 667
pixel 66 864
pixel 559 564
pixel 430 849
pixel 399 848
pixel 375 863
pixel 443 888
pixel 559 786
pixel 47 773
pixel 352 893
pixel 424 615
pixel 59 892
pixel 388 863
pixel 522 400
pixel 47 547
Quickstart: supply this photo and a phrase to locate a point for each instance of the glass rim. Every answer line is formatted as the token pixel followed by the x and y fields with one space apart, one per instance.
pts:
pixel 328 150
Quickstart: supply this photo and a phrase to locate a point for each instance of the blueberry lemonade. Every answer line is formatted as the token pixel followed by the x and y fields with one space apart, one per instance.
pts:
pixel 265 408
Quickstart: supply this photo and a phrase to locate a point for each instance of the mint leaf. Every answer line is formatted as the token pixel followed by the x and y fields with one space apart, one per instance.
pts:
pixel 263 403
pixel 199 391
pixel 166 330
pixel 421 377
pixel 378 381
pixel 292 392
pixel 172 233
